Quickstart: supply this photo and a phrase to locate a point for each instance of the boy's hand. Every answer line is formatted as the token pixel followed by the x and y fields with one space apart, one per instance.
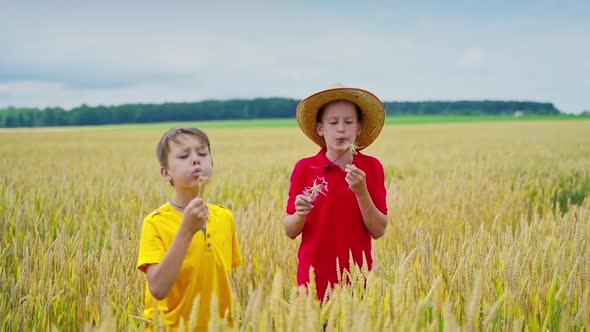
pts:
pixel 356 178
pixel 195 215
pixel 303 205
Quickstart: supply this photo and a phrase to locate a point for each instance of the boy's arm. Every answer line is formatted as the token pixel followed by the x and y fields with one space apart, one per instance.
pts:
pixel 375 220
pixel 294 223
pixel 163 275
pixel 298 205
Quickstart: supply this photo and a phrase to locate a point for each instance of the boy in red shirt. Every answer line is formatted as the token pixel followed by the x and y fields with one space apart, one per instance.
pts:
pixel 337 198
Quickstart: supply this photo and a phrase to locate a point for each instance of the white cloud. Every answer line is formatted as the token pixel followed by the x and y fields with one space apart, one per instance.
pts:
pixel 472 57
pixel 44 94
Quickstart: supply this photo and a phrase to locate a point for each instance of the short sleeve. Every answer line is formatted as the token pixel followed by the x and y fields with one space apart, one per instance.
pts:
pixel 235 247
pixel 151 247
pixel 295 188
pixel 377 189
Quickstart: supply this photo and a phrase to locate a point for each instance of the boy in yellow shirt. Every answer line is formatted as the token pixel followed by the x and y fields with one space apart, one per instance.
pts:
pixel 187 246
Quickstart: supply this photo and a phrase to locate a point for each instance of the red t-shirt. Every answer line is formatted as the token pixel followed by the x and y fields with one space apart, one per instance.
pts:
pixel 334 227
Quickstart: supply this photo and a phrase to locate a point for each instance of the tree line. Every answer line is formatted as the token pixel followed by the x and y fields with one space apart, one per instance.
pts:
pixel 236 109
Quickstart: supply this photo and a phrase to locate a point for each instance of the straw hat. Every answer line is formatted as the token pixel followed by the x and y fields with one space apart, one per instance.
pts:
pixel 371 107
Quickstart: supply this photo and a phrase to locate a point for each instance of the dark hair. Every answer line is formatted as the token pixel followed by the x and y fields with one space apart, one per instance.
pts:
pixel 320 114
pixel 172 135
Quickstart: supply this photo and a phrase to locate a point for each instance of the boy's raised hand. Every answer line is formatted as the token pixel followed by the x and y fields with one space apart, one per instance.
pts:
pixel 303 205
pixel 356 178
pixel 195 215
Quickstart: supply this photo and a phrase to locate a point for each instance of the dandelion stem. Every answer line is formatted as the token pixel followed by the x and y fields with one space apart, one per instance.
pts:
pixel 202 182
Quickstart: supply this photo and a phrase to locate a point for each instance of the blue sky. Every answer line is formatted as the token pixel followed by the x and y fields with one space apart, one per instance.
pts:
pixel 68 53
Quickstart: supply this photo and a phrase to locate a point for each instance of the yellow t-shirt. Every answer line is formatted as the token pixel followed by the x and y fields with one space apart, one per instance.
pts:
pixel 204 271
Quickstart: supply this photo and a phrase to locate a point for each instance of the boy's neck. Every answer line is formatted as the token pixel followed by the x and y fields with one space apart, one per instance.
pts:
pixel 182 198
pixel 340 158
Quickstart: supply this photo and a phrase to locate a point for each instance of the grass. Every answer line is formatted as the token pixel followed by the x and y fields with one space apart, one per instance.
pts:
pixel 419 119
pixel 292 122
pixel 489 228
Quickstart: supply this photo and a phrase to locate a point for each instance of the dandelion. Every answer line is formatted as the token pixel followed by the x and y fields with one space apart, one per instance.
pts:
pixel 352 147
pixel 319 187
pixel 202 181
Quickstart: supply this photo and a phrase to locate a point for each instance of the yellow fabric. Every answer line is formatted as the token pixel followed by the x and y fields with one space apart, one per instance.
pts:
pixel 204 271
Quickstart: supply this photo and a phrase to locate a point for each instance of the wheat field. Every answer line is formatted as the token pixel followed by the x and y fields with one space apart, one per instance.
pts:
pixel 489 228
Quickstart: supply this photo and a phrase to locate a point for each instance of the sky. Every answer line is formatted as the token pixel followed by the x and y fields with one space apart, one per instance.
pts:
pixel 68 53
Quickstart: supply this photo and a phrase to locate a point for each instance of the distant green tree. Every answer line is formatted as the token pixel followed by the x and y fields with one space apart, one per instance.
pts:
pixel 242 109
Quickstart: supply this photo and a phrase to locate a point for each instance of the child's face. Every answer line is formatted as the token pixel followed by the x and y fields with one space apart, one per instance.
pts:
pixel 339 126
pixel 188 159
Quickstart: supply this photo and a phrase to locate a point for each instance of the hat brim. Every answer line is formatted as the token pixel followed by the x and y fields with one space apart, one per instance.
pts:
pixel 373 113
